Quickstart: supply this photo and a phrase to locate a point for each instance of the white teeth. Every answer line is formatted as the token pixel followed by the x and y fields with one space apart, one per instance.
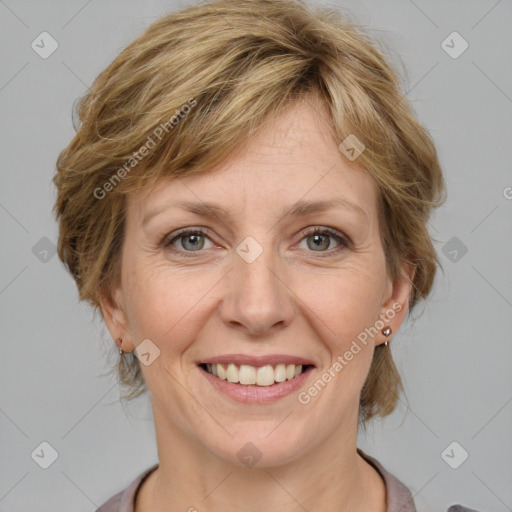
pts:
pixel 232 373
pixel 280 373
pixel 221 371
pixel 249 375
pixel 265 376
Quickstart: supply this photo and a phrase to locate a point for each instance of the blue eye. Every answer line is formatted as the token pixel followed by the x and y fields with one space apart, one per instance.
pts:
pixel 319 237
pixel 193 241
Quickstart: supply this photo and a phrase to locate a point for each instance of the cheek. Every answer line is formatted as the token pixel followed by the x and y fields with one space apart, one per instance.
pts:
pixel 165 305
pixel 348 301
pixel 354 300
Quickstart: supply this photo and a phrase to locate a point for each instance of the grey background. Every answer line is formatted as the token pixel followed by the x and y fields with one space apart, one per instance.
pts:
pixel 455 359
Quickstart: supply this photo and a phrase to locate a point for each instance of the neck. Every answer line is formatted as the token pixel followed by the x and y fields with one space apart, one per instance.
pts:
pixel 190 478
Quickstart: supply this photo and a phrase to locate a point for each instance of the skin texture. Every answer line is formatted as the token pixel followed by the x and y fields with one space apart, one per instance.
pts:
pixel 293 299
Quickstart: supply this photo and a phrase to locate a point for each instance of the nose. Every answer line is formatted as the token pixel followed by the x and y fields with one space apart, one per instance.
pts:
pixel 257 300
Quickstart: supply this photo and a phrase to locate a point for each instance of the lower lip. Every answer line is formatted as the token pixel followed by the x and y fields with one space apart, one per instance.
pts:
pixel 249 394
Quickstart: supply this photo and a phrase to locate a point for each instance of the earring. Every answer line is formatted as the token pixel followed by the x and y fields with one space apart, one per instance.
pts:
pixel 120 340
pixel 386 332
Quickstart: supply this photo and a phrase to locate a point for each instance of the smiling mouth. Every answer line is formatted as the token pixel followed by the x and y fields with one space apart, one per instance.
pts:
pixel 247 375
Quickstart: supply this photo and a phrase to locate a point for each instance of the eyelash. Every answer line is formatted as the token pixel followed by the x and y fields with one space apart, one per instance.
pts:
pixel 343 241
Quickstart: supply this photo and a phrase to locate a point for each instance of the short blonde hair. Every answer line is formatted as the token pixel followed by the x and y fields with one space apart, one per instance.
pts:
pixel 197 83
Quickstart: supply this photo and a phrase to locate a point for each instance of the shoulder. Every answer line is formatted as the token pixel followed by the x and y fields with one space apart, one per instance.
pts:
pixel 398 495
pixel 461 508
pixel 124 501
pixel 111 505
pixel 399 498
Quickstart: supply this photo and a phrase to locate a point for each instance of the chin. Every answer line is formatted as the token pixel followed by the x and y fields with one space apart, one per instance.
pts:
pixel 259 448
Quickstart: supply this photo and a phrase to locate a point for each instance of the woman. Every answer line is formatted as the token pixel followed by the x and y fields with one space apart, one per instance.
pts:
pixel 246 202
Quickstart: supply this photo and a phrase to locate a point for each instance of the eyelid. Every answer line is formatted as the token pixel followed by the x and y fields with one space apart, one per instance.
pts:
pixel 200 230
pixel 322 230
pixel 343 240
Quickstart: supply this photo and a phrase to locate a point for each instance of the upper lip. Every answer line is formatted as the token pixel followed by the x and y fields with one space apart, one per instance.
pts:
pixel 257 361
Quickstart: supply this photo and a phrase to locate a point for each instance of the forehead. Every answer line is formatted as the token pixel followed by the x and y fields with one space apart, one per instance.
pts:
pixel 294 158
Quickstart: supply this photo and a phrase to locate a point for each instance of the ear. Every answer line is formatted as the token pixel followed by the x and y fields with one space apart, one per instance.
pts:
pixel 116 320
pixel 396 304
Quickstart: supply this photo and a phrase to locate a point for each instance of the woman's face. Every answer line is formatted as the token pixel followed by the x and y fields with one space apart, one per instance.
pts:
pixel 254 287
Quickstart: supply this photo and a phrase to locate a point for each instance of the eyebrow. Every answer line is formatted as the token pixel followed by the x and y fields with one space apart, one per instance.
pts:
pixel 300 208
